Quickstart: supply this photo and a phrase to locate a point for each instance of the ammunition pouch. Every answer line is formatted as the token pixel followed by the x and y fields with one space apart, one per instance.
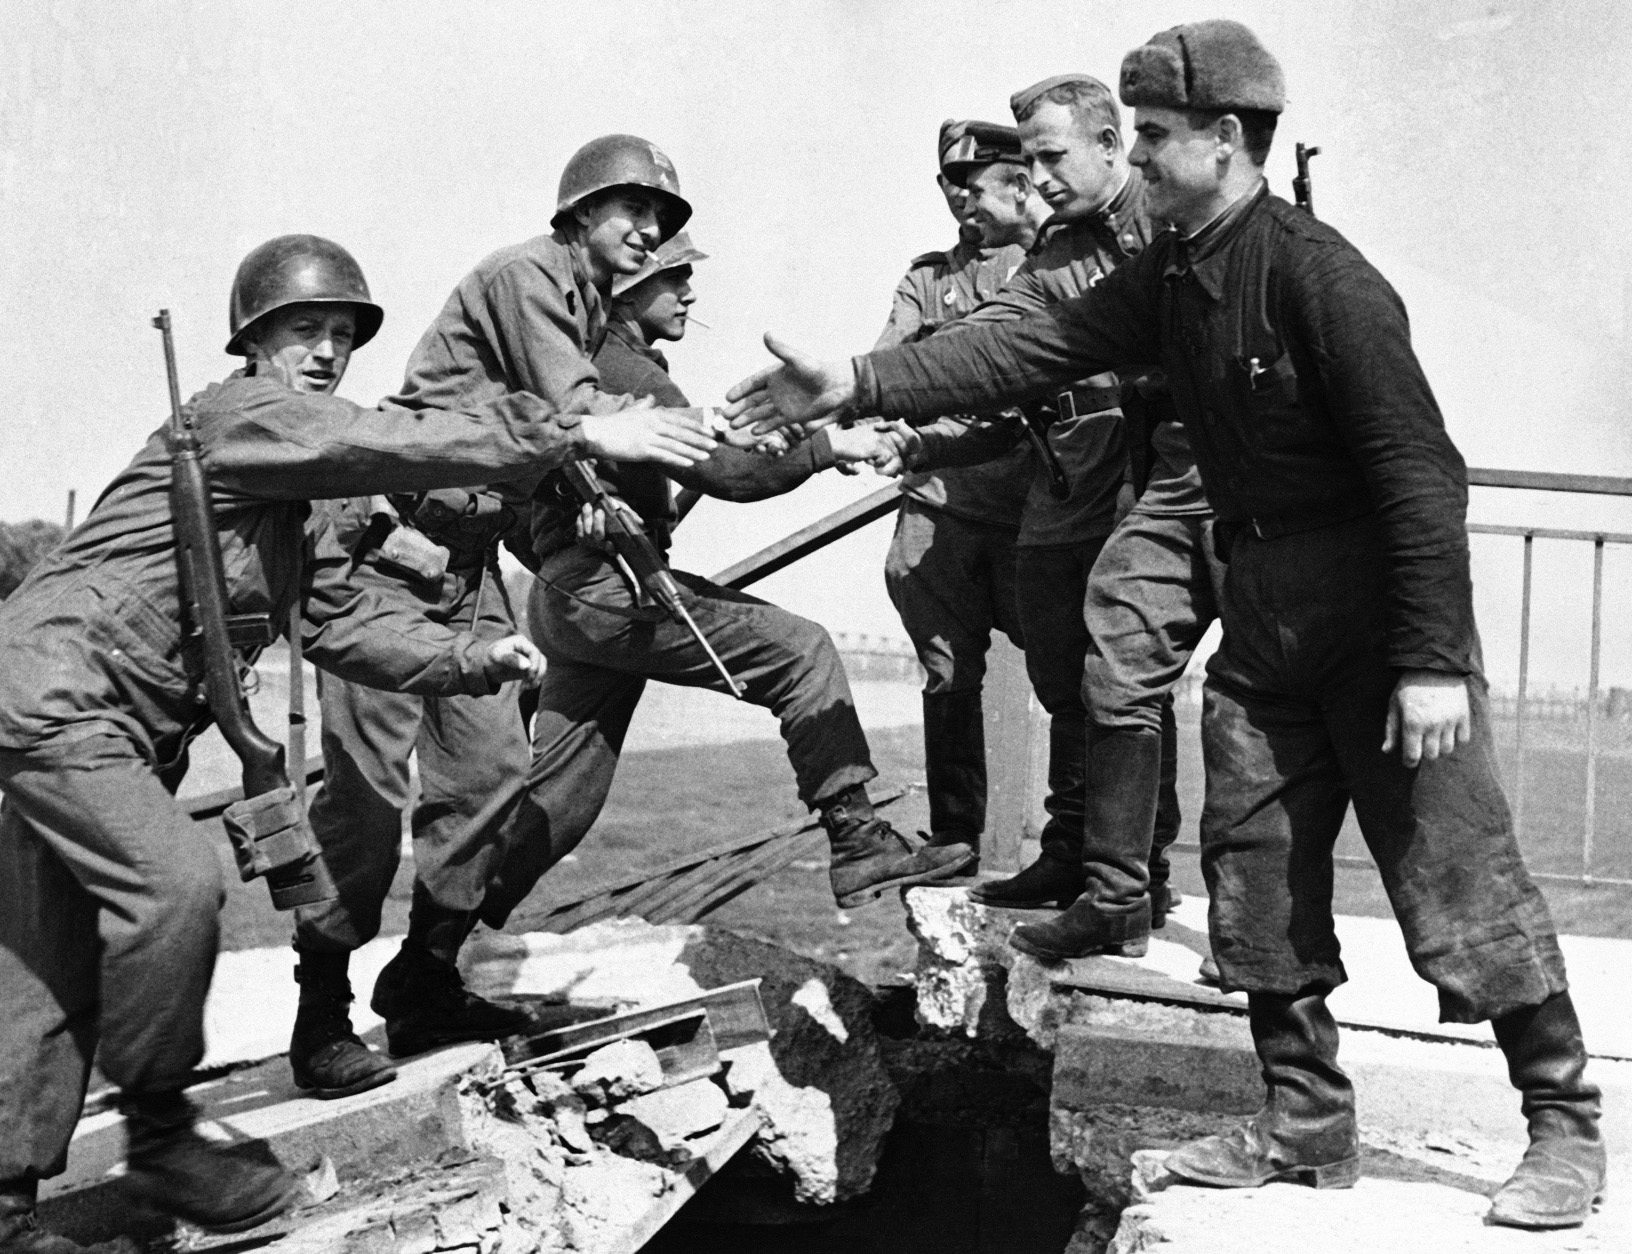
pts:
pixel 468 523
pixel 410 552
pixel 271 837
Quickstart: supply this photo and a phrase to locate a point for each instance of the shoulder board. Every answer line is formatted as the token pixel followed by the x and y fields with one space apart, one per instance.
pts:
pixel 928 259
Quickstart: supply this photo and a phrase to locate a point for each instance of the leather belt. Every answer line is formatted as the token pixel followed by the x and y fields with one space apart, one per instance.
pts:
pixel 1083 400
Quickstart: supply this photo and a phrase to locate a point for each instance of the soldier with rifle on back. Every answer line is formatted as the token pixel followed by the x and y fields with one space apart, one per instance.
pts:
pixel 108 896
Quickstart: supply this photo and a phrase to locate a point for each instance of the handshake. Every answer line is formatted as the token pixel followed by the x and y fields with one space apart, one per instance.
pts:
pixel 890 448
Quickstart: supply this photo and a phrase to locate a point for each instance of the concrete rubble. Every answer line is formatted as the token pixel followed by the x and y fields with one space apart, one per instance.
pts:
pixel 820 1083
pixel 1144 1060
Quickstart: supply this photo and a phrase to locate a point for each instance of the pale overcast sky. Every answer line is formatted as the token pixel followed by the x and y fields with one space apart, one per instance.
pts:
pixel 1473 148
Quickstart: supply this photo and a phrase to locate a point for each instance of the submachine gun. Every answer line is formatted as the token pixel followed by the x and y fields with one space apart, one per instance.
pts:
pixel 642 565
pixel 268 828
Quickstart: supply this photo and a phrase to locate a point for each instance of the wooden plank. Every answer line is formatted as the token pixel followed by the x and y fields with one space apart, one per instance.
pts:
pixel 616 892
pixel 713 1153
pixel 805 541
pixel 709 894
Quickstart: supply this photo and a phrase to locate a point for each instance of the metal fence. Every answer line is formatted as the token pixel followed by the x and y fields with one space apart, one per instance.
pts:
pixel 1589 711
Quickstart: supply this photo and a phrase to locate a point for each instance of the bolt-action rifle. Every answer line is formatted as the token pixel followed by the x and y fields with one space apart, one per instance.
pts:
pixel 268 828
pixel 642 564
pixel 1303 191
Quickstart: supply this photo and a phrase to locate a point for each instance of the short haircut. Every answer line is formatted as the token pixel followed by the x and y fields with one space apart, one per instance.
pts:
pixel 1257 128
pixel 1092 103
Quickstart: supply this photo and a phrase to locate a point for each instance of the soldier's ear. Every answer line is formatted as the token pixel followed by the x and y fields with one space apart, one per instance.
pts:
pixel 1229 135
pixel 1110 141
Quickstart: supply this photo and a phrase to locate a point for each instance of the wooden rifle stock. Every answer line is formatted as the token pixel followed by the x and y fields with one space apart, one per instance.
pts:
pixel 295 875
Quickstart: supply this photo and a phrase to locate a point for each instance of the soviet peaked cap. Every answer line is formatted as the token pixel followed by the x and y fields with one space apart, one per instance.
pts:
pixel 980 144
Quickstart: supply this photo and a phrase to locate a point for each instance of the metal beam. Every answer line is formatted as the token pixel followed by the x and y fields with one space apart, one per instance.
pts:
pixel 1543 481
pixel 802 543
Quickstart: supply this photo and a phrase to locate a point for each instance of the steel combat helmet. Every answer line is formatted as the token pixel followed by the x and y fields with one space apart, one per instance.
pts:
pixel 293 270
pixel 675 252
pixel 622 161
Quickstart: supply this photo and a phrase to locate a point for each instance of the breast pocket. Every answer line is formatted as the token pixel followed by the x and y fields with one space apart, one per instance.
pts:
pixel 1266 391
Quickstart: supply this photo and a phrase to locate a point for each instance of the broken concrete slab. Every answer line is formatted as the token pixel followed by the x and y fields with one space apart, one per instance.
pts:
pixel 617 1072
pixel 825 1093
pixel 831 1103
pixel 411 1120
pixel 679 1114
pixel 1406 1217
pixel 1409 1091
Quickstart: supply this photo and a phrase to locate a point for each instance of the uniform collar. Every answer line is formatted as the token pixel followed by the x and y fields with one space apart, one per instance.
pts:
pixel 628 330
pixel 1203 253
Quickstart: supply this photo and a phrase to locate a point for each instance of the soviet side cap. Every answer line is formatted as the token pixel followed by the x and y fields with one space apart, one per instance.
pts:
pixel 1217 64
pixel 670 255
pixel 622 161
pixel 980 144
pixel 1026 97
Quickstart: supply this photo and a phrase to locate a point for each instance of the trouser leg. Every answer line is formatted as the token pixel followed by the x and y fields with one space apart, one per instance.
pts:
pixel 952 581
pixel 48 985
pixel 1150 599
pixel 1052 582
pixel 153 886
pixel 583 715
pixel 783 662
pixel 468 749
pixel 367 738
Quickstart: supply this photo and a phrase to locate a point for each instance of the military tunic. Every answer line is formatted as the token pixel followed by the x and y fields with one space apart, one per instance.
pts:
pixel 525 319
pixel 1343 503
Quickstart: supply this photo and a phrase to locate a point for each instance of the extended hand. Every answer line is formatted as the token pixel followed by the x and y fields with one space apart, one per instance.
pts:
pixel 641 433
pixel 899 448
pixel 1427 716
pixel 799 389
pixel 514 657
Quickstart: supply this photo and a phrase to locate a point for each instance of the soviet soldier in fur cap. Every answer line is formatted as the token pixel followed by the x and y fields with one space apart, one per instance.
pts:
pixel 1349 670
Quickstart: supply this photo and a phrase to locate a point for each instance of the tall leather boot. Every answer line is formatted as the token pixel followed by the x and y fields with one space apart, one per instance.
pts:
pixel 325 1055
pixel 1163 897
pixel 1564 1169
pixel 869 857
pixel 226 1188
pixel 1055 879
pixel 955 770
pixel 420 993
pixel 20 1231
pixel 1306 1131
pixel 1113 915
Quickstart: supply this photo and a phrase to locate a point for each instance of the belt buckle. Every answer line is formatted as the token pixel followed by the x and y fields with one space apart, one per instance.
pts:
pixel 1066 406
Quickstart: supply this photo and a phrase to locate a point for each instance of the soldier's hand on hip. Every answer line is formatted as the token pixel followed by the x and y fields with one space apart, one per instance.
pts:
pixel 641 433
pixel 1428 716
pixel 514 657
pixel 799 389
